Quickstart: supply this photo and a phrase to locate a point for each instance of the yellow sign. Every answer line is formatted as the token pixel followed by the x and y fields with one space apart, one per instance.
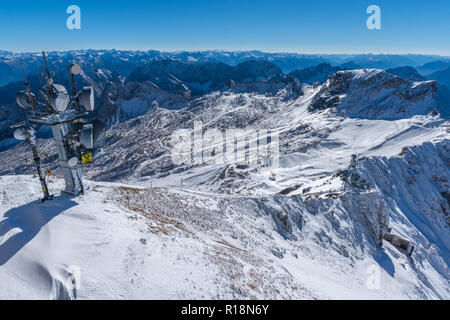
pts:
pixel 86 158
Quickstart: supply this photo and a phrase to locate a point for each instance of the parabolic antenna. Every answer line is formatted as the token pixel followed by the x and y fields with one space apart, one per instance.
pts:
pixel 86 98
pixel 20 134
pixel 74 69
pixel 60 99
pixel 25 100
pixel 87 136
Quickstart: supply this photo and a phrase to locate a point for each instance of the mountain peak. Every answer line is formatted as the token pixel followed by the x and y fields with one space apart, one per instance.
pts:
pixel 375 94
pixel 407 72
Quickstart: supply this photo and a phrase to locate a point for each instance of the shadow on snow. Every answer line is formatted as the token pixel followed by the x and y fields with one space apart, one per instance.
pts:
pixel 28 219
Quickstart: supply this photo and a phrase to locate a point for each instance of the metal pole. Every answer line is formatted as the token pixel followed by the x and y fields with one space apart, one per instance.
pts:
pixel 37 162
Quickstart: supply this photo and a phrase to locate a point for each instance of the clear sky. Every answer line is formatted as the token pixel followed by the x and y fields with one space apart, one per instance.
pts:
pixel 307 26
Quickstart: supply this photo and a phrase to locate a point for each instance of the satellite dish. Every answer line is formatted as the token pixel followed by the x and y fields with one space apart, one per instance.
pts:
pixel 60 102
pixel 59 88
pixel 74 69
pixel 20 134
pixel 87 136
pixel 60 99
pixel 86 98
pixel 25 100
pixel 72 162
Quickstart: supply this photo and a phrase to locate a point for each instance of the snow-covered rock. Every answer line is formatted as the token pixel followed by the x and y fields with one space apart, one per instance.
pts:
pixel 375 94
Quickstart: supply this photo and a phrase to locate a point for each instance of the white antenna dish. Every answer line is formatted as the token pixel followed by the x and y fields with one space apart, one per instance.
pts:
pixel 60 100
pixel 74 69
pixel 87 136
pixel 20 134
pixel 24 99
pixel 86 98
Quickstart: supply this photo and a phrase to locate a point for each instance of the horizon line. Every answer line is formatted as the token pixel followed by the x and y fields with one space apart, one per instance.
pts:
pixel 230 51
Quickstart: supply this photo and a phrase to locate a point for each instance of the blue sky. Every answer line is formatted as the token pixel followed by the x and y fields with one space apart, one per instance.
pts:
pixel 307 26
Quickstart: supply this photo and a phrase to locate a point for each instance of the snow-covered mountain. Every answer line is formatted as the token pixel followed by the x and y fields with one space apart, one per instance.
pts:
pixel 312 227
pixel 126 61
pixel 385 61
pixel 375 94
pixel 201 78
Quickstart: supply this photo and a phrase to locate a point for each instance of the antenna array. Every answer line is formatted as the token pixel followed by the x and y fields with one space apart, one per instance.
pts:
pixel 67 115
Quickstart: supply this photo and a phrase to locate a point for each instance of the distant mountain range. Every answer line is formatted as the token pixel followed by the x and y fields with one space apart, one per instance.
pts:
pixel 200 78
pixel 433 66
pixel 116 74
pixel 125 61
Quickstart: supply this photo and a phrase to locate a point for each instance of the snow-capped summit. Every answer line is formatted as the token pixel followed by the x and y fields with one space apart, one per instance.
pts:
pixel 375 94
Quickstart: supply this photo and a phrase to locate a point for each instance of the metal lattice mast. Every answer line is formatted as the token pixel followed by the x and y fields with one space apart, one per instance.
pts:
pixel 37 162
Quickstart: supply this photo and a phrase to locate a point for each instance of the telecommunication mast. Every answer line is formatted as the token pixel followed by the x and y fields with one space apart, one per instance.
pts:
pixel 66 114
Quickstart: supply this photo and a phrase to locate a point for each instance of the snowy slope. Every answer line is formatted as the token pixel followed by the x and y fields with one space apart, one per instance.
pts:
pixel 151 243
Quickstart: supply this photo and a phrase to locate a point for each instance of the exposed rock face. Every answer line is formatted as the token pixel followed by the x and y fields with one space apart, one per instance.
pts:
pixel 371 208
pixel 201 78
pixel 281 218
pixel 291 87
pixel 422 178
pixel 121 102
